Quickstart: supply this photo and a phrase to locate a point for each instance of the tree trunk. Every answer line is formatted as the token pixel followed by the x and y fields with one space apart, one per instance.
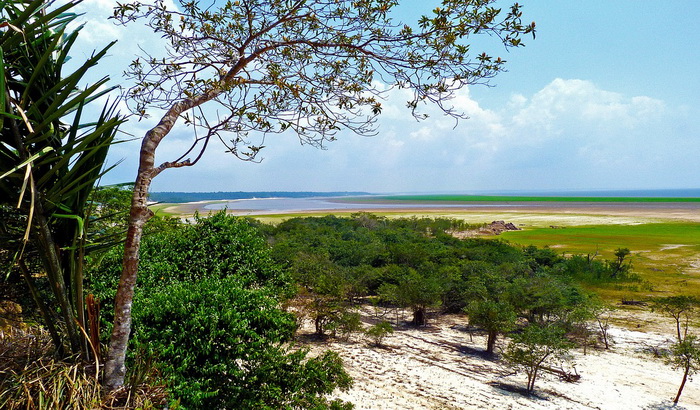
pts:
pixel 604 332
pixel 55 273
pixel 318 323
pixel 115 369
pixel 530 381
pixel 680 390
pixel 139 214
pixel 491 341
pixel 419 316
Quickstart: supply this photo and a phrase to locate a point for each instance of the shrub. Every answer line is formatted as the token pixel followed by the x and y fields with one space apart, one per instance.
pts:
pixel 220 345
pixel 207 311
pixel 348 324
pixel 379 332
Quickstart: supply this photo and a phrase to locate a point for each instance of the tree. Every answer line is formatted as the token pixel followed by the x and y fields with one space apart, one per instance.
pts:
pixel 685 355
pixel 416 290
pixel 307 66
pixel 489 306
pixel 679 308
pixel 493 316
pixel 620 266
pixel 49 167
pixel 378 332
pixel 602 313
pixel 534 347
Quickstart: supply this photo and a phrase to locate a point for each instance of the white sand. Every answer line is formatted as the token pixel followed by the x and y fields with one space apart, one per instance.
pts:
pixel 439 367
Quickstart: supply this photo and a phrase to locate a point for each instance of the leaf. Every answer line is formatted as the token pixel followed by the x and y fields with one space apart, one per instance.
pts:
pixel 28 161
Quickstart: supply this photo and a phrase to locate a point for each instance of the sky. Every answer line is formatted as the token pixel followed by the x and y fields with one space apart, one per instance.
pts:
pixel 605 98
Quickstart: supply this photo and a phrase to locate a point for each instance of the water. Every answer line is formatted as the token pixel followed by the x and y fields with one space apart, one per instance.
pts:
pixel 283 205
pixel 267 205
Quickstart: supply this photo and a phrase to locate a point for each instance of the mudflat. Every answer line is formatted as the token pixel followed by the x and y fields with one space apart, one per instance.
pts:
pixel 553 212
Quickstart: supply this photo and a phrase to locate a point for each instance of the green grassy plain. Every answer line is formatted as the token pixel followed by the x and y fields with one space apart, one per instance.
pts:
pixel 500 198
pixel 665 256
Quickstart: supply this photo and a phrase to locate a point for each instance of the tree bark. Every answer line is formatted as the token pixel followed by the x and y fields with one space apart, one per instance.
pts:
pixel 52 264
pixel 419 316
pixel 115 370
pixel 491 341
pixel 680 390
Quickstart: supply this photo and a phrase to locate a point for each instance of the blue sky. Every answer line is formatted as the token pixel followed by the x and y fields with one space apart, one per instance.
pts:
pixel 606 97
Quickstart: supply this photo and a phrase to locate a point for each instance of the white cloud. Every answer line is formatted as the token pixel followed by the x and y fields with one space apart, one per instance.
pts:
pixel 563 103
pixel 570 134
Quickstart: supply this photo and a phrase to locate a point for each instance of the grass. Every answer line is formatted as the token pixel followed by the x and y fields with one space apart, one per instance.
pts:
pixel 31 377
pixel 664 255
pixel 503 198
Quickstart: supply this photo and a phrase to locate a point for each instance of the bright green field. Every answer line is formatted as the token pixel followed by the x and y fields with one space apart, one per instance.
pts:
pixel 496 198
pixel 665 255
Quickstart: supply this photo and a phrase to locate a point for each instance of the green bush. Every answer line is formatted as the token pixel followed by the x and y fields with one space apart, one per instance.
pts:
pixel 379 332
pixel 348 323
pixel 221 345
pixel 207 310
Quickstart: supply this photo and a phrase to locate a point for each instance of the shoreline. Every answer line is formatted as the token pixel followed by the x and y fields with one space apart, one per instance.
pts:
pixel 648 211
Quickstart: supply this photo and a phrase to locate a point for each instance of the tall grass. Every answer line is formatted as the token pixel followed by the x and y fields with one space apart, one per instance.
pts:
pixel 32 378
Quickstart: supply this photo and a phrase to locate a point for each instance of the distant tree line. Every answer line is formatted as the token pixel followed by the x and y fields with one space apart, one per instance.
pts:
pixel 179 197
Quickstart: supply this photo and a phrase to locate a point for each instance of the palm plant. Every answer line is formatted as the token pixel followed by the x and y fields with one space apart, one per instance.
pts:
pixel 50 159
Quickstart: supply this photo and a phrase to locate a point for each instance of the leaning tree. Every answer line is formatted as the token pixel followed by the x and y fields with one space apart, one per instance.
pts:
pixel 237 70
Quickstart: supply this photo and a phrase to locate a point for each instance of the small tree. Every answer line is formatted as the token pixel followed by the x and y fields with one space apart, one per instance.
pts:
pixel 415 290
pixel 601 313
pixel 534 347
pixel 349 323
pixel 620 266
pixel 307 66
pixel 679 308
pixel 685 355
pixel 379 332
pixel 494 317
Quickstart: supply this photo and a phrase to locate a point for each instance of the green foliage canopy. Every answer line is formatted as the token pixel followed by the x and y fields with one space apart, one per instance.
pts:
pixel 208 311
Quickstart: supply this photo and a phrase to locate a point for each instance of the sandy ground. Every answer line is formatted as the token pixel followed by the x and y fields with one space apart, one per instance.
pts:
pixel 440 367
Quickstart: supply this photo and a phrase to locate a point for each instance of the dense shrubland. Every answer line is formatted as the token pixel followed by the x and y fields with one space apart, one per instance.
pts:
pixel 207 313
pixel 219 299
pixel 418 265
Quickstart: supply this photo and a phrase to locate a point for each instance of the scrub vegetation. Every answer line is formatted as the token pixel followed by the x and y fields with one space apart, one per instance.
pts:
pixel 220 300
